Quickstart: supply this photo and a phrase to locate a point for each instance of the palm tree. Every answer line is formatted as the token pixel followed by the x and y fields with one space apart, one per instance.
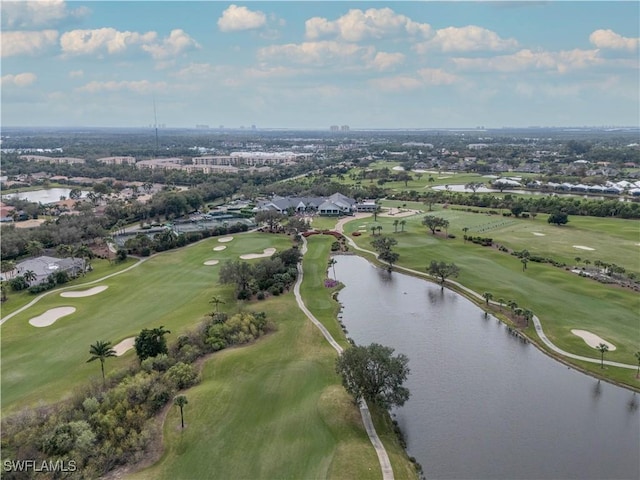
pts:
pixel 395 225
pixel 216 301
pixel 85 253
pixel 402 224
pixel 379 228
pixel 34 248
pixel 373 229
pixel 524 261
pixel 465 230
pixel 100 351
pixel 332 263
pixel 487 297
pixel 181 401
pixel 528 315
pixel 602 348
pixel 29 276
pixel 501 302
pixel 638 357
pixel 64 250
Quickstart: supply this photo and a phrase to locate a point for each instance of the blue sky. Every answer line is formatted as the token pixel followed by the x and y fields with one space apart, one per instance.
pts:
pixel 314 64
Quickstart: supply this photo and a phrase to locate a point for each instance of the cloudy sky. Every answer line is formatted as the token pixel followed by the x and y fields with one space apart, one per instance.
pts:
pixel 313 64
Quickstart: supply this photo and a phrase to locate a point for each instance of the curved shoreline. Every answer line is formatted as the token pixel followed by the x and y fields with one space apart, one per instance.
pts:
pixel 551 349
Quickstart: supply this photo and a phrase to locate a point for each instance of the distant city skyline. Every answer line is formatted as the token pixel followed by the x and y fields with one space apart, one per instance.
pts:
pixel 313 65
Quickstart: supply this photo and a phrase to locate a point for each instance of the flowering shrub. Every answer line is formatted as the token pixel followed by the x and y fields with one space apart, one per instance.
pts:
pixel 330 283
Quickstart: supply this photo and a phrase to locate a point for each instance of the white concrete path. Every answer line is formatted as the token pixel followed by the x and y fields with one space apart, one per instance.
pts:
pixel 383 458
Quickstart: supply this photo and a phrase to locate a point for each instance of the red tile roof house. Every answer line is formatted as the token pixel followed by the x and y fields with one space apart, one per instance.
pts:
pixel 6 213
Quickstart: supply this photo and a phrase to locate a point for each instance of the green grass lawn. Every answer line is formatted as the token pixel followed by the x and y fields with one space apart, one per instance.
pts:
pixel 562 300
pixel 276 409
pixel 172 289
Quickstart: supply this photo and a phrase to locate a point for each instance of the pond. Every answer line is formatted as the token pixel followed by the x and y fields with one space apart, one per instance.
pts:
pixel 484 404
pixel 49 195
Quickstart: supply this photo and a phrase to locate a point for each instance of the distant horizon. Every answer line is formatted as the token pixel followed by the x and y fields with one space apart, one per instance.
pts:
pixel 378 64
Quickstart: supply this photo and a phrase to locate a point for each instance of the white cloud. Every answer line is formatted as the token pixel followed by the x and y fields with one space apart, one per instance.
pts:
pixel 466 39
pixel 31 14
pixel 109 40
pixel 386 61
pixel 358 25
pixel 112 41
pixel 608 39
pixel 524 60
pixel 27 43
pixel 437 76
pixel 177 42
pixel 237 18
pixel 317 53
pixel 76 74
pixel 140 86
pixel 20 80
pixel 399 83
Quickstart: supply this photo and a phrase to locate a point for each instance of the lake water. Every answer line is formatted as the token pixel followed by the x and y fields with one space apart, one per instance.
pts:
pixel 485 405
pixel 45 196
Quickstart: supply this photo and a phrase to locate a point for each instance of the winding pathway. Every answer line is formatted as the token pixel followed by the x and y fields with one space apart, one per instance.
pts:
pixel 383 458
pixel 536 320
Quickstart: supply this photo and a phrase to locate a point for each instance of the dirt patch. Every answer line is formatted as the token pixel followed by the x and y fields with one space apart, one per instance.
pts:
pixel 33 223
pixel 51 316
pixel 84 293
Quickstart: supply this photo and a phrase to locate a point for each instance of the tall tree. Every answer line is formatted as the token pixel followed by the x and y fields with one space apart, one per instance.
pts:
pixel 271 217
pixel 433 223
pixel 332 264
pixel 558 218
pixel 151 342
pixel 395 225
pixel 403 222
pixel 638 358
pixel 101 351
pixel 216 301
pixel 181 401
pixel 443 270
pixel 602 348
pixel 374 374
pixel 487 297
pixel 383 246
pixel 34 248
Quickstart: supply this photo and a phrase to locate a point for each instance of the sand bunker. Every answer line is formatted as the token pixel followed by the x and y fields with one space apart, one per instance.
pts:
pixel 582 247
pixel 225 239
pixel 50 316
pixel 219 248
pixel 212 262
pixel 538 234
pixel 84 293
pixel 124 346
pixel 592 339
pixel 267 253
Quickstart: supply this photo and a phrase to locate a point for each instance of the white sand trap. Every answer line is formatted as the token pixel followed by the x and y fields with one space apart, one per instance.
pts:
pixel 124 346
pixel 582 247
pixel 267 253
pixel 592 339
pixel 212 262
pixel 84 293
pixel 219 248
pixel 50 316
pixel 225 239
pixel 538 234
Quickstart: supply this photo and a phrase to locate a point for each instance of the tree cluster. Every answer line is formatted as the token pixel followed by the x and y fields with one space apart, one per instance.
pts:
pixel 272 275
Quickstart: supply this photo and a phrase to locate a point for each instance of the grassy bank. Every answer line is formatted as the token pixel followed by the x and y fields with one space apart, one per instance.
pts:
pixel 276 409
